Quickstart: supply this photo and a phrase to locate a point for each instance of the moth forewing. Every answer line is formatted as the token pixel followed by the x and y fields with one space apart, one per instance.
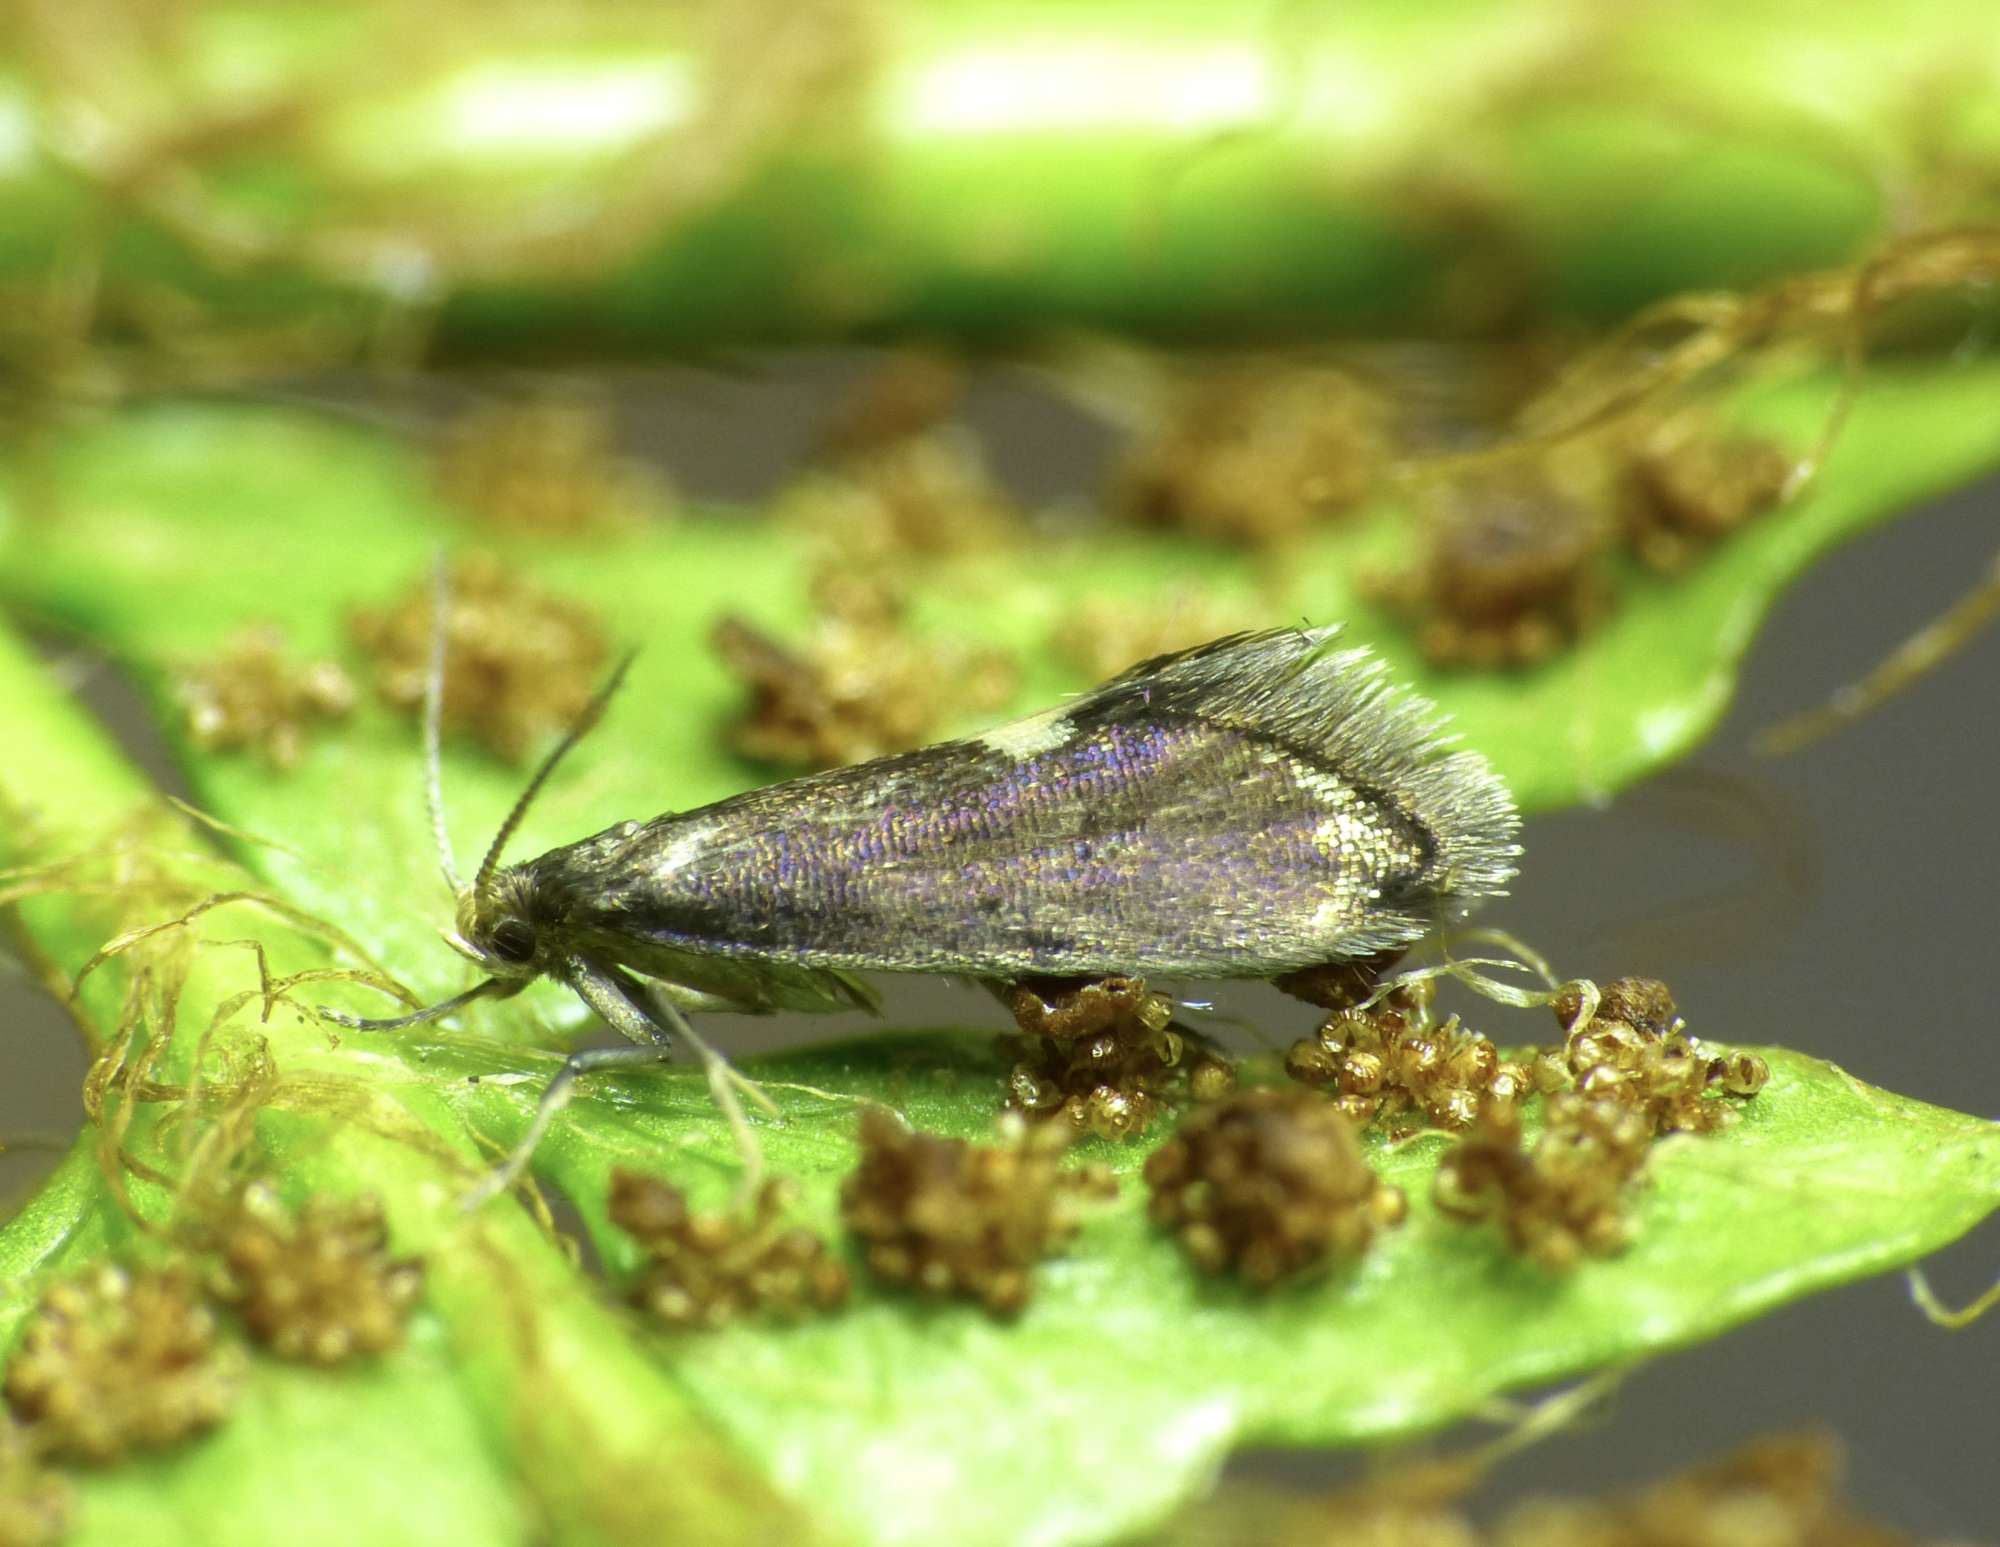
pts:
pixel 1251 808
pixel 1262 804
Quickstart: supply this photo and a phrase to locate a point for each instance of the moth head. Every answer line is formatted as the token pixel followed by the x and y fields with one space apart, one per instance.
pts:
pixel 501 929
pixel 502 924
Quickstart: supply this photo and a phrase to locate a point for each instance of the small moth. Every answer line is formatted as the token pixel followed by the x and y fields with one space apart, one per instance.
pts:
pixel 1253 807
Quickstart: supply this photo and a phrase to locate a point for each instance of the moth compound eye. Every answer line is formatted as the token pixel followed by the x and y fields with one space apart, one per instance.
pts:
pixel 512 940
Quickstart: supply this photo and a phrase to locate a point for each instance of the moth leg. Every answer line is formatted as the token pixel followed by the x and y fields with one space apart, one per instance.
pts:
pixel 724 1080
pixel 1339 985
pixel 636 1012
pixel 651 1030
pixel 555 1096
pixel 693 1001
pixel 715 1063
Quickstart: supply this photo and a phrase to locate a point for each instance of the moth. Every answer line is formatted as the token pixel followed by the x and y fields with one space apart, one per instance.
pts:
pixel 1257 806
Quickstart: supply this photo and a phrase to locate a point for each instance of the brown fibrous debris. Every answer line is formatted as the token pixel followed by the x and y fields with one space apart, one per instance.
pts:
pixel 1564 1199
pixel 254 695
pixel 891 493
pixel 1686 485
pixel 1622 1077
pixel 317 1286
pixel 862 685
pixel 1923 652
pixel 520 663
pixel 946 1217
pixel 912 393
pixel 1658 355
pixel 1390 1058
pixel 1635 1050
pixel 1270 1184
pixel 1518 540
pixel 1101 636
pixel 1777 1491
pixel 1104 1055
pixel 547 464
pixel 118 1360
pixel 707 1270
pixel 35 1503
pixel 1511 571
pixel 1258 454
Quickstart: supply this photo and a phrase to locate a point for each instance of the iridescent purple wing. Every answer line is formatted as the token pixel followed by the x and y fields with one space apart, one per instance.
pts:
pixel 1258 805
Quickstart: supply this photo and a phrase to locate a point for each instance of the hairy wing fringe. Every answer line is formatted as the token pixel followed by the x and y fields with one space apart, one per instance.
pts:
pixel 1340 708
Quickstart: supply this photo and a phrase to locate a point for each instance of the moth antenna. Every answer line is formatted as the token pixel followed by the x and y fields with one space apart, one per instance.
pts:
pixel 434 722
pixel 416 1017
pixel 591 713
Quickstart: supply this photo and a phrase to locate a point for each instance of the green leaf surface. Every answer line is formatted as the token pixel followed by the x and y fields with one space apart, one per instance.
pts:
pixel 1127 1379
pixel 297 1434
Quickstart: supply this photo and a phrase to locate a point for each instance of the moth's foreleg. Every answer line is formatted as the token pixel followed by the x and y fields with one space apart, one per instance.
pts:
pixel 555 1096
pixel 626 1008
pixel 1339 985
pixel 640 1013
pixel 718 1065
pixel 723 1083
pixel 651 1045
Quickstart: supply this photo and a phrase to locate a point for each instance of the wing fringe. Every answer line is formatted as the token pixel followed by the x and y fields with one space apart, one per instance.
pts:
pixel 1341 707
